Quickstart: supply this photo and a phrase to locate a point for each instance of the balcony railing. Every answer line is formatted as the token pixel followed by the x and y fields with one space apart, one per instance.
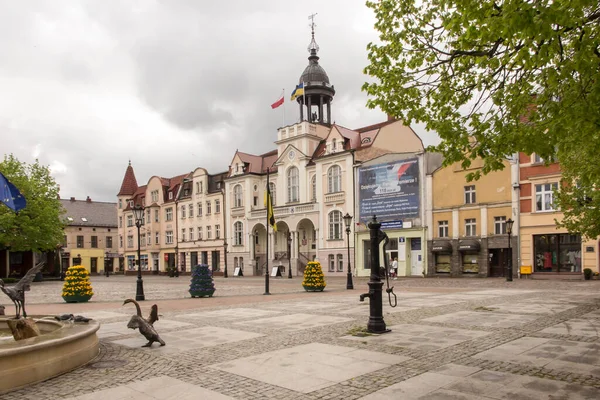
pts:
pixel 285 210
pixel 238 212
pixel 337 197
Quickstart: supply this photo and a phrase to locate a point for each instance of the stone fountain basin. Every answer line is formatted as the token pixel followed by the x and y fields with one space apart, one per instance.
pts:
pixel 60 348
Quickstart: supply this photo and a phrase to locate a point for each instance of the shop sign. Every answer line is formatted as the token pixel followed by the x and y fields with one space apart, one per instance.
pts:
pixel 389 190
pixel 391 225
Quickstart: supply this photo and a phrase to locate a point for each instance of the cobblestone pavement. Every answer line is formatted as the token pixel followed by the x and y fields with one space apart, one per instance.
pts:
pixel 449 339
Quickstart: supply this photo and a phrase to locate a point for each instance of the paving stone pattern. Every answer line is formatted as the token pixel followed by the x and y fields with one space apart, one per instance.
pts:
pixel 469 344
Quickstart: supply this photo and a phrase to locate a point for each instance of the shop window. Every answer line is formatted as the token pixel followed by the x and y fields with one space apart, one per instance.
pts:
pixel 442 263
pixel 557 253
pixel 500 225
pixel 544 196
pixel 443 229
pixel 469 263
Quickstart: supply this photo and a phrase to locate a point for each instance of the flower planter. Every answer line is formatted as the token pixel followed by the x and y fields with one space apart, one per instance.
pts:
pixel 76 299
pixel 313 288
pixel 202 293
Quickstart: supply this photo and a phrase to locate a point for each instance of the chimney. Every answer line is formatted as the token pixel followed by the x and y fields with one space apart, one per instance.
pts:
pixel 391 117
pixel 88 200
pixel 72 198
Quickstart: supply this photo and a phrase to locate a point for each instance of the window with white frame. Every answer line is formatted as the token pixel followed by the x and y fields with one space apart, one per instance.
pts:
pixel 238 229
pixel 442 229
pixel 157 238
pixel 340 263
pixel 201 184
pixel 544 196
pixel 143 239
pixel 191 231
pixel 199 233
pixel 217 206
pixel 237 196
pixel 209 232
pixel 197 187
pixel 120 241
pixel 154 196
pixel 331 263
pixel 500 225
pixel 120 203
pixel 183 212
pixel 169 237
pixel 149 238
pixel 169 214
pixel 191 210
pixel 470 194
pixel 199 209
pixel 130 220
pixel 120 222
pixel 217 231
pixel 156 216
pixel 273 193
pixel 293 187
pixel 208 207
pixel 313 188
pixel 183 234
pixel 335 225
pixel 334 179
pixel 148 216
pixel 170 195
pixel 130 241
pixel 470 227
pixel 333 145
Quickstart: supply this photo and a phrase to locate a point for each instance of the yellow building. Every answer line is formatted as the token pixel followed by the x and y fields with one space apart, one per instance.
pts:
pixel 90 235
pixel 468 222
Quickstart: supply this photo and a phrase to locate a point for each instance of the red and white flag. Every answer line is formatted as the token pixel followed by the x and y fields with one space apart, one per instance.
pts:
pixel 277 103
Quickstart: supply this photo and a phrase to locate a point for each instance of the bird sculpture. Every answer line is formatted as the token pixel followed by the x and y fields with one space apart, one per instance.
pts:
pixel 81 318
pixel 145 326
pixel 17 292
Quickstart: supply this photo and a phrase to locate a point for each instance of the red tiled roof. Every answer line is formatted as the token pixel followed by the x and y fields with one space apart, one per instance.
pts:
pixel 129 185
pixel 375 126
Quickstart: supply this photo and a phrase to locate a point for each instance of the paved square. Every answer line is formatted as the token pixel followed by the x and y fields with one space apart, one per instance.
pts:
pixel 294 322
pixel 564 355
pixel 579 327
pixel 468 383
pixel 309 306
pixel 229 314
pixel 105 315
pixel 120 328
pixel 159 388
pixel 532 308
pixel 483 318
pixel 420 337
pixel 309 367
pixel 363 310
pixel 190 339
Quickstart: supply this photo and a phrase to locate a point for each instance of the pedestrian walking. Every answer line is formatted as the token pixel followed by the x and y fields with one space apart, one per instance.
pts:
pixel 395 267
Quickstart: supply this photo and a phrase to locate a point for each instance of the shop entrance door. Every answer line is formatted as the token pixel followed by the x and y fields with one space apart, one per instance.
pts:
pixel 497 259
pixel 416 257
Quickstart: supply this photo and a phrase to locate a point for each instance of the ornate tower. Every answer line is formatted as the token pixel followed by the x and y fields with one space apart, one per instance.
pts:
pixel 318 92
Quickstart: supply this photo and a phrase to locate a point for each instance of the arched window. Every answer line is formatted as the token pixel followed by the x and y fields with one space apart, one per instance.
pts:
pixel 335 225
pixel 238 236
pixel 293 185
pixel 334 179
pixel 237 196
pixel 273 196
pixel 313 188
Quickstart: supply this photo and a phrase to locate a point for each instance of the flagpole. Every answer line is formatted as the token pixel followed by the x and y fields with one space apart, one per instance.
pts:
pixel 267 247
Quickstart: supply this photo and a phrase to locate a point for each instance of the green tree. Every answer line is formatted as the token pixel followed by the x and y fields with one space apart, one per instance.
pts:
pixel 39 226
pixel 493 78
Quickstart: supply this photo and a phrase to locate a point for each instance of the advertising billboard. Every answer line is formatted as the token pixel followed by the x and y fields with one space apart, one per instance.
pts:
pixel 389 190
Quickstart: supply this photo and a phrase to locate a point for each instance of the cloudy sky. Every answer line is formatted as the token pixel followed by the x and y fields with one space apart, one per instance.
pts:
pixel 172 85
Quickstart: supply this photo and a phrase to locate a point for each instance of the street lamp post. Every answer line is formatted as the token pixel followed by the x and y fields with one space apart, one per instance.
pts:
pixel 509 271
pixel 138 212
pixel 348 222
pixel 289 242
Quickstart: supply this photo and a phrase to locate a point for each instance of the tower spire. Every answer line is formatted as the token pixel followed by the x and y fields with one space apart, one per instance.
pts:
pixel 313 47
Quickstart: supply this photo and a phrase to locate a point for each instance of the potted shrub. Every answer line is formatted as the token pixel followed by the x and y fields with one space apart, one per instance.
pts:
pixel 313 281
pixel 77 287
pixel 202 283
pixel 587 274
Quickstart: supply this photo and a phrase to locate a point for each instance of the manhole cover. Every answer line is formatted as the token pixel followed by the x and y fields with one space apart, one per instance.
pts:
pixel 107 364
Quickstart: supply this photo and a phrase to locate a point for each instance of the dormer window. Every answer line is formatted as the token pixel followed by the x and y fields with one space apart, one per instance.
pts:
pixel 131 203
pixel 170 195
pixel 366 140
pixel 237 166
pixel 333 146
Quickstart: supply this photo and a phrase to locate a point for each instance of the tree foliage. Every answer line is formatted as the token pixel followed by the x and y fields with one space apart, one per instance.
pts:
pixel 39 226
pixel 493 78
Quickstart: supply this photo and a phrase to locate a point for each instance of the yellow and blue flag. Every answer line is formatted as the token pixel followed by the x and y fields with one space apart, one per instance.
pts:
pixel 299 91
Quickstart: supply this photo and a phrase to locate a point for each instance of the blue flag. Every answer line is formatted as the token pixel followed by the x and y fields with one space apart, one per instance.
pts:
pixel 10 195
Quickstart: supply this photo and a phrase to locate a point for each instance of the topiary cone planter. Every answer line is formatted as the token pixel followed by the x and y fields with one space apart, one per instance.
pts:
pixel 76 299
pixel 313 288
pixel 203 293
